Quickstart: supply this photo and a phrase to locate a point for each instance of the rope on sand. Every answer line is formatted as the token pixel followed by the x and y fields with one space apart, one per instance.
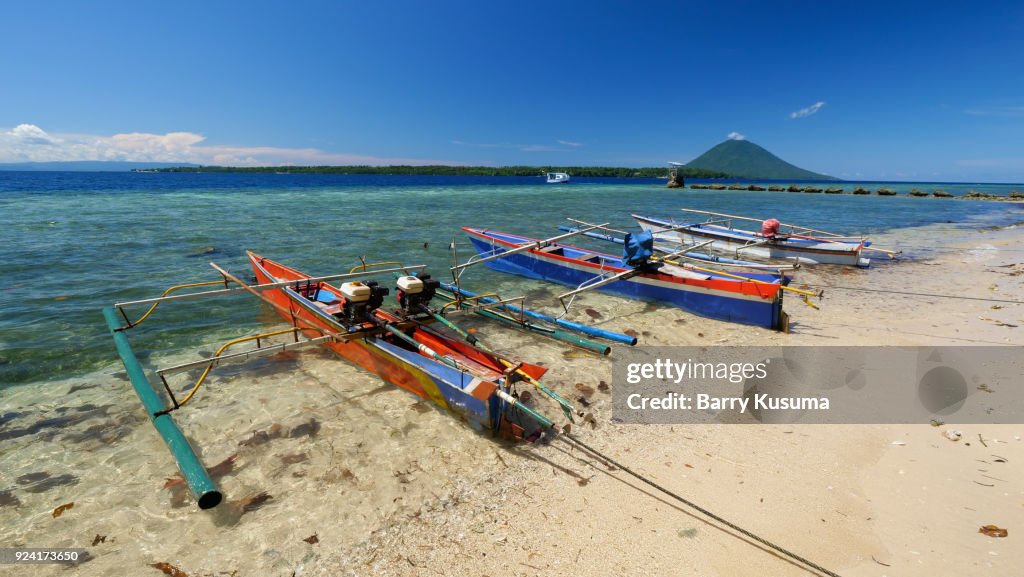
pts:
pixel 609 461
pixel 914 294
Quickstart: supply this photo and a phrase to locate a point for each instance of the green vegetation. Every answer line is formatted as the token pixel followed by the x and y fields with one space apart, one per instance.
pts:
pixel 744 159
pixel 604 171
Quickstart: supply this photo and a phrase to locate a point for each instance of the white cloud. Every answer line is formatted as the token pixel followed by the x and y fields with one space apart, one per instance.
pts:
pixel 805 112
pixel 736 136
pixel 29 134
pixel 568 143
pixel 27 142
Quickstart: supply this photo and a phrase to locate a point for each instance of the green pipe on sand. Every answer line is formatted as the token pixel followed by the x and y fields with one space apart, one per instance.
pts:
pixel 198 479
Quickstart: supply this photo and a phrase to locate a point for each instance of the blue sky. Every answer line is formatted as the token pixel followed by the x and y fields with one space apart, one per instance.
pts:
pixel 860 90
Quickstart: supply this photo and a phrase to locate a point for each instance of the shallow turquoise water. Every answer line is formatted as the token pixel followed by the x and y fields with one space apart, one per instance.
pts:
pixel 72 243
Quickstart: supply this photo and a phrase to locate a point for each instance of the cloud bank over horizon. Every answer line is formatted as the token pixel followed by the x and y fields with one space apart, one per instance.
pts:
pixel 30 143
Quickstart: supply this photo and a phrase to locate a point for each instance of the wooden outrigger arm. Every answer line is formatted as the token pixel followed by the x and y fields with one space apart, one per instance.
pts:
pixel 522 248
pixel 776 268
pixel 155 302
pixel 750 219
pixel 617 277
pixel 668 258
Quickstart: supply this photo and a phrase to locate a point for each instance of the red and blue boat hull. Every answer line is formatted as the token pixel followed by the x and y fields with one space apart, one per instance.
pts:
pixel 715 296
pixel 471 397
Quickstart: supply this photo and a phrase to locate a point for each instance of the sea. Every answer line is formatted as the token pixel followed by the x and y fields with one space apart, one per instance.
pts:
pixel 72 431
pixel 74 242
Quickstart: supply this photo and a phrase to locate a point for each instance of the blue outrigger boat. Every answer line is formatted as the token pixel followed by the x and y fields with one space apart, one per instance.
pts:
pixel 750 298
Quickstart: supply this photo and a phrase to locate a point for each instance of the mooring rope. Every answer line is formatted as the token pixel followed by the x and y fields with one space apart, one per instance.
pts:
pixel 914 294
pixel 779 549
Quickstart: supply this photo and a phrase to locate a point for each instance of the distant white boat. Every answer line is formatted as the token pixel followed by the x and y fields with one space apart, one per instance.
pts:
pixel 557 177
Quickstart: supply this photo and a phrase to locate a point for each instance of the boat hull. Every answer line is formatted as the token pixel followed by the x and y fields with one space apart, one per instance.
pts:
pixel 717 298
pixel 738 244
pixel 470 397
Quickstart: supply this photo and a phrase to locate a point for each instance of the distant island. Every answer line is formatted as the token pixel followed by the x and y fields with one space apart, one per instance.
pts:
pixel 744 159
pixel 86 166
pixel 434 170
pixel 732 159
pixel 729 159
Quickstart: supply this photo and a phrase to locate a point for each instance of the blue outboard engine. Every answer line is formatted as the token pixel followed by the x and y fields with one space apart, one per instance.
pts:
pixel 638 248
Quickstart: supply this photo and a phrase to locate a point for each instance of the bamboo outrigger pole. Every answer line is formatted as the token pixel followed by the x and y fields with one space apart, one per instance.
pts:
pixel 585 329
pixel 668 259
pixel 747 218
pixel 197 478
pixel 529 246
pixel 487 311
pixel 599 281
pixel 711 260
pixel 167 297
pixel 259 287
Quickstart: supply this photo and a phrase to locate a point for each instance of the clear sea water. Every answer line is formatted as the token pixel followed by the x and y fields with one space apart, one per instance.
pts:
pixel 72 243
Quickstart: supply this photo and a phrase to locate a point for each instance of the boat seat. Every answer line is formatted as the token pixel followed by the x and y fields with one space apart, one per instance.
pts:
pixel 307 289
pixel 552 250
pixel 588 257
pixel 680 272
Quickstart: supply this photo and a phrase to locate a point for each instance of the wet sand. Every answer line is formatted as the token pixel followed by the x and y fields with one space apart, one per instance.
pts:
pixel 390 486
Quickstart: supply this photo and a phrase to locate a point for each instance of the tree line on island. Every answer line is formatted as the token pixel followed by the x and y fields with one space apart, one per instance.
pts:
pixel 444 170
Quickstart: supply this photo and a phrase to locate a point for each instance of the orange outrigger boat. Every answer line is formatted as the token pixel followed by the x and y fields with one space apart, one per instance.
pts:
pixel 473 383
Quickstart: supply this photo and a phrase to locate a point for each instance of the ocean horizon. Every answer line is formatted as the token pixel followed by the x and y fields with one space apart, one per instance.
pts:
pixel 403 179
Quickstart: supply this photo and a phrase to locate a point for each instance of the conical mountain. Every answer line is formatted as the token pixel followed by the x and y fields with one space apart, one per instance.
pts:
pixel 744 159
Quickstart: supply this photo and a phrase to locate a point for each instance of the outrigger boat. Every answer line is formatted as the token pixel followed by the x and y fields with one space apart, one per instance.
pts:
pixel 404 347
pixel 775 241
pixel 472 383
pixel 692 254
pixel 751 298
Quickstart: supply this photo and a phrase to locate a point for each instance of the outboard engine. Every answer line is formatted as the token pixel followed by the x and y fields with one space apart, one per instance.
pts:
pixel 361 299
pixel 638 248
pixel 414 292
